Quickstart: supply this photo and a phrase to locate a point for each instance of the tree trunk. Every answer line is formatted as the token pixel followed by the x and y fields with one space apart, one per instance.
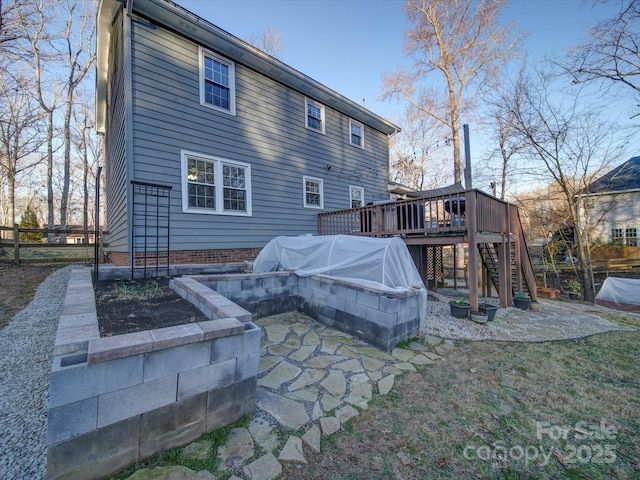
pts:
pixel 64 200
pixel 50 212
pixel 85 178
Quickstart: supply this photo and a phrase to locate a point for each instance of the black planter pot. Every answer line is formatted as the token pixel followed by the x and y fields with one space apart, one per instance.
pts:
pixel 522 303
pixel 459 310
pixel 488 310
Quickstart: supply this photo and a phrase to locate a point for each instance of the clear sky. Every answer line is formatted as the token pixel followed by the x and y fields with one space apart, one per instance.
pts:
pixel 348 44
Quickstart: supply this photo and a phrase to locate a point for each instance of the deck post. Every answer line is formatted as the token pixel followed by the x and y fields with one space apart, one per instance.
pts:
pixel 455 264
pixel 16 243
pixel 472 270
pixel 379 221
pixel 517 245
pixel 504 272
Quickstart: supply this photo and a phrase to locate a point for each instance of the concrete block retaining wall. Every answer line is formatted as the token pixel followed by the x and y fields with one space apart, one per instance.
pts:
pixel 117 400
pixel 379 317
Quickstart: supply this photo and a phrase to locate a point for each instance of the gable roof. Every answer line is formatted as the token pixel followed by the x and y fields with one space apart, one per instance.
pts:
pixel 622 178
pixel 188 24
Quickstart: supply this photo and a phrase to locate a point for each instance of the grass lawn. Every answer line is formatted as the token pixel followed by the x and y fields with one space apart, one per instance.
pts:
pixel 563 409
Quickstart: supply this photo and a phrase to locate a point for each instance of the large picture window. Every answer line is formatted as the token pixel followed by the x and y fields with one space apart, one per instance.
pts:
pixel 215 185
pixel 313 192
pixel 217 82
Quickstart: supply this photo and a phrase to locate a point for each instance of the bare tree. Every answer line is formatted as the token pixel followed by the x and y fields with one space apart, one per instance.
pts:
pixel 88 147
pixel 566 144
pixel 508 143
pixel 269 41
pixel 20 138
pixel 80 57
pixel 461 45
pixel 39 37
pixel 611 52
pixel 13 13
pixel 419 160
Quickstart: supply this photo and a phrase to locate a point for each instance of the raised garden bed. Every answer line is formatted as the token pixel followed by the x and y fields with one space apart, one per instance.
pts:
pixel 128 306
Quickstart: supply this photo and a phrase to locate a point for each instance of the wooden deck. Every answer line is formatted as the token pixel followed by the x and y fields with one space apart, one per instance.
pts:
pixel 491 226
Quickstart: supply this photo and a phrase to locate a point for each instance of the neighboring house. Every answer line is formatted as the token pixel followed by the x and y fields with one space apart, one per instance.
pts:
pixel 611 208
pixel 248 147
pixel 76 235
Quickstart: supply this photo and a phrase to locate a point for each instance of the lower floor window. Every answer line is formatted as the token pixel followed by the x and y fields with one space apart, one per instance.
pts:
pixel 617 236
pixel 357 196
pixel 631 237
pixel 215 185
pixel 313 192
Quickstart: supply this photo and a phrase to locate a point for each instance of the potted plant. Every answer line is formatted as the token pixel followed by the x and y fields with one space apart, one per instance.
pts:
pixel 535 306
pixel 488 310
pixel 459 308
pixel 522 300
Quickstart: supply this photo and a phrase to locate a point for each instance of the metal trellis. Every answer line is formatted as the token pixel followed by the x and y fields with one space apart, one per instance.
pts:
pixel 150 229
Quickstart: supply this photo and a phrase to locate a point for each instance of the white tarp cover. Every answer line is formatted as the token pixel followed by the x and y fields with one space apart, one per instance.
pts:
pixel 382 262
pixel 620 294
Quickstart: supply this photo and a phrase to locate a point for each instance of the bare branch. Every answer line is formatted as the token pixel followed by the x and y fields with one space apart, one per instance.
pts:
pixel 459 43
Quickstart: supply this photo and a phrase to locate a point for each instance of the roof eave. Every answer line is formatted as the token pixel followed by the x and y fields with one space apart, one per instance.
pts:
pixel 199 30
pixel 106 12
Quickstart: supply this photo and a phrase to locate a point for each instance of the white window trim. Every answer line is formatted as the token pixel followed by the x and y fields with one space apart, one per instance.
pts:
pixel 232 81
pixel 307 102
pixel 351 189
pixel 361 125
pixel 304 192
pixel 219 191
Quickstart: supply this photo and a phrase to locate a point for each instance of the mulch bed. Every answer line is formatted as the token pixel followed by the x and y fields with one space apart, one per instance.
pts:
pixel 117 315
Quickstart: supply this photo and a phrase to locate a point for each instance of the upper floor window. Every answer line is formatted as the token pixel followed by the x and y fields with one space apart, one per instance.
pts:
pixel 314 115
pixel 631 237
pixel 217 82
pixel 215 185
pixel 356 133
pixel 313 192
pixel 357 196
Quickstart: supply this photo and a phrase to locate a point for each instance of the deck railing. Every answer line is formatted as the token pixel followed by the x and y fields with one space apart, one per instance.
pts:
pixel 437 215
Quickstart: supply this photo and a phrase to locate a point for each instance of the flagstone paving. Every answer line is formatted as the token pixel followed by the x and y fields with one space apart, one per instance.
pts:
pixel 312 380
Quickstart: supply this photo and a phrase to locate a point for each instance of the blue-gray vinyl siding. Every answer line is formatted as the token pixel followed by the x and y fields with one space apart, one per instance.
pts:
pixel 115 152
pixel 268 132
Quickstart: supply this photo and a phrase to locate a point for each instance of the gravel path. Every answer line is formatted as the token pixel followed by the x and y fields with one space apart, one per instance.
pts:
pixel 26 348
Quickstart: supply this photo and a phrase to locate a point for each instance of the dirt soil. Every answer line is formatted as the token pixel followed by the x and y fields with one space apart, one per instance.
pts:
pixel 17 287
pixel 120 313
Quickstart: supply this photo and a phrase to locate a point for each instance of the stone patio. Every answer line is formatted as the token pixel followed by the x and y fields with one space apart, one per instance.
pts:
pixel 312 380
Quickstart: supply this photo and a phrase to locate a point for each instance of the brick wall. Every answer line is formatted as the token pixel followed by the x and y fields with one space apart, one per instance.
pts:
pixel 190 256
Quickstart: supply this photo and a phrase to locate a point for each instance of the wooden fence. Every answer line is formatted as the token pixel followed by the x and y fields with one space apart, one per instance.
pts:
pixel 20 251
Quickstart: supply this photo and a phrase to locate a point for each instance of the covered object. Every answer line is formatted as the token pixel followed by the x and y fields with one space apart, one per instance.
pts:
pixel 381 263
pixel 620 294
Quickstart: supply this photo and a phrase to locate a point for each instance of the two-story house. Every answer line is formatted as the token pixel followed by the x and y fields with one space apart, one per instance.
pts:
pixel 213 147
pixel 610 207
